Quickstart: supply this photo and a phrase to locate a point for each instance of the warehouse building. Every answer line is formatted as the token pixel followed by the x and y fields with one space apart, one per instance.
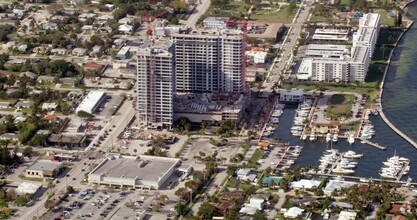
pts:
pixel 145 172
pixel 91 102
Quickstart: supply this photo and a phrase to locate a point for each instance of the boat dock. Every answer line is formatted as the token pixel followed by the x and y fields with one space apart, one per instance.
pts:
pixel 267 118
pixel 375 145
pixel 361 179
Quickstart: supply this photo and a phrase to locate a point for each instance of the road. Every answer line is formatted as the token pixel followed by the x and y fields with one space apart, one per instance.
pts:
pixel 202 7
pixel 287 48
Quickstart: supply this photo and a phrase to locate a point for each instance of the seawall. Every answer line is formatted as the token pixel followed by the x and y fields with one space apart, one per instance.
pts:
pixel 381 110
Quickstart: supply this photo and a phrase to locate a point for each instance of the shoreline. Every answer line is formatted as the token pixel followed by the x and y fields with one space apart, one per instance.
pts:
pixel 383 116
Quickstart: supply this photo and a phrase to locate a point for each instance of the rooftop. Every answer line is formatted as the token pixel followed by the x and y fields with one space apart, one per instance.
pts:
pixel 46 165
pixel 370 20
pixel 90 101
pixel 142 167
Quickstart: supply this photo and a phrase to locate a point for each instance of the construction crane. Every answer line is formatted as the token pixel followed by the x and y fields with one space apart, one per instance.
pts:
pixel 150 18
pixel 244 24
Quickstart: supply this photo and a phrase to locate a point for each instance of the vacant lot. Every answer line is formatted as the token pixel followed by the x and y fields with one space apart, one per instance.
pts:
pixel 339 105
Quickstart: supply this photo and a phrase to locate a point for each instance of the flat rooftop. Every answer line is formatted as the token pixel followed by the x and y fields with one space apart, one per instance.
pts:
pixel 370 20
pixel 90 101
pixel 360 54
pixel 143 167
pixel 45 165
pixel 331 31
pixel 328 47
pixel 330 37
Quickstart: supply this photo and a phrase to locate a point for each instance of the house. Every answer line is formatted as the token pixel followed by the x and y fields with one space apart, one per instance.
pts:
pixel 347 215
pixel 305 184
pixel 242 173
pixel 50 26
pixel 24 104
pixel 93 66
pixel 49 106
pixel 96 49
pixel 257 56
pixel 58 51
pixel 44 168
pixel 9 136
pixel 270 180
pixel 125 28
pixel 110 7
pixel 126 20
pixel 84 16
pixel 254 205
pixel 228 196
pixel 19 119
pixel 293 212
pixel 28 74
pixel 66 80
pixel 123 53
pixel 87 28
pixel 400 208
pixel 44 79
pixel 224 206
pixel 335 185
pixel 119 41
pixel 11 90
pixel 79 52
pixel 7 104
pixel 22 48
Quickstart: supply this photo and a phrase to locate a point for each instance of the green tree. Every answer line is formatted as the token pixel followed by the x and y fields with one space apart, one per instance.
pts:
pixel 259 215
pixel 84 114
pixel 28 151
pixel 207 210
pixel 22 200
pixel 181 208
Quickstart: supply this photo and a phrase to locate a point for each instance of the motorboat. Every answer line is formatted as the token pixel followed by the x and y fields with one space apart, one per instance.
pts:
pixel 346 166
pixel 328 137
pixel 304 137
pixel 335 138
pixel 313 137
pixel 351 139
pixel 387 175
pixel 352 155
pixel 406 170
pixel 342 171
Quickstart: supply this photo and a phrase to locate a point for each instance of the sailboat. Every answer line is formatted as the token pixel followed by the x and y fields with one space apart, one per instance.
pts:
pixel 351 139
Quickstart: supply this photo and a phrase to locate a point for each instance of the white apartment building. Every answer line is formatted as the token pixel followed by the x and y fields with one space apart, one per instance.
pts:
pixel 208 61
pixel 155 77
pixel 330 70
pixel 332 63
pixel 359 64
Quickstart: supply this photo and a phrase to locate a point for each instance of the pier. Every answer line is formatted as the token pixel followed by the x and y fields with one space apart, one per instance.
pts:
pixel 362 179
pixel 268 117
pixel 375 145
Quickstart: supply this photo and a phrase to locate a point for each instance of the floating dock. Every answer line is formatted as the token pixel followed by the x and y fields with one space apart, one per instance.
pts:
pixel 375 145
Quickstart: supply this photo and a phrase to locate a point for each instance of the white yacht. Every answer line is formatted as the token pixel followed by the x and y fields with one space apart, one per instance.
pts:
pixel 328 137
pixel 313 137
pixel 351 139
pixel 335 138
pixel 352 155
pixel 342 171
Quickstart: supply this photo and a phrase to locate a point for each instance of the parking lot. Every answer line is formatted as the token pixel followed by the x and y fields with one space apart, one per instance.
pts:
pixel 109 106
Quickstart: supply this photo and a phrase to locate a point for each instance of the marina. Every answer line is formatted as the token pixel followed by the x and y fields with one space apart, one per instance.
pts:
pixel 368 167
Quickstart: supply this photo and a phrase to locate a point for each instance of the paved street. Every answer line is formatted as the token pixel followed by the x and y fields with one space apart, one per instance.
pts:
pixel 201 8
pixel 287 48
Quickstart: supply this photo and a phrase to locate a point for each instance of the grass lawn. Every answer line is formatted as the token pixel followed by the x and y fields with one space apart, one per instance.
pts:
pixel 231 182
pixel 339 105
pixel 233 8
pixel 66 85
pixel 273 14
pixel 350 127
pixel 31 178
pixel 255 157
pixel 385 20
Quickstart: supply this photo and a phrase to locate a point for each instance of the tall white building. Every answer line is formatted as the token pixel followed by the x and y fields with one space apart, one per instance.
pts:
pixel 155 86
pixel 332 63
pixel 209 61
